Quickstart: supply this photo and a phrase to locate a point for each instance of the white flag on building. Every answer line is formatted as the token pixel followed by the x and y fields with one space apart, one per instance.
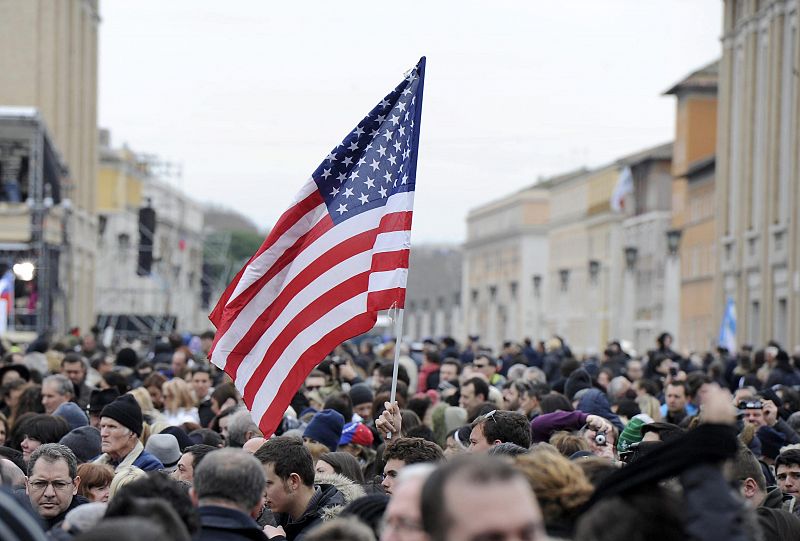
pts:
pixel 727 331
pixel 624 187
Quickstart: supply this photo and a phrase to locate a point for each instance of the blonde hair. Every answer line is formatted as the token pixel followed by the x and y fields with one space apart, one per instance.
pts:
pixel 177 395
pixel 568 443
pixel 560 486
pixel 122 477
pixel 143 399
pixel 650 405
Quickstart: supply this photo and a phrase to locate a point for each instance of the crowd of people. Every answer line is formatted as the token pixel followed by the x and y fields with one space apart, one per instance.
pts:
pixel 528 443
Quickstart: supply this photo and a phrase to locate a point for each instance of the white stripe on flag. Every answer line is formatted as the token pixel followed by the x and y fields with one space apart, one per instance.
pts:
pixel 393 241
pixel 378 281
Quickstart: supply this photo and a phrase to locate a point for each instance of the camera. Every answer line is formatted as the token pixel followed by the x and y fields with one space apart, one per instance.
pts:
pixel 600 438
pixel 751 405
pixel 673 371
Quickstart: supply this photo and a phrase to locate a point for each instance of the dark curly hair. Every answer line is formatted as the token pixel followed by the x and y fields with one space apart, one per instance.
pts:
pixel 413 451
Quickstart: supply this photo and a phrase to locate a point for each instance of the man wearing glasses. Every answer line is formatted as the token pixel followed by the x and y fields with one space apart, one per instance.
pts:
pixel 53 481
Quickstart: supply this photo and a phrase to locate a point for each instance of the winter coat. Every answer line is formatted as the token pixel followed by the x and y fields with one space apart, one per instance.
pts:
pixel 326 503
pixel 224 524
pixel 137 457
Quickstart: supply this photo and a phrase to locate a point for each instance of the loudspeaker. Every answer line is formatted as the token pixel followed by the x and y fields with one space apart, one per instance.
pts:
pixel 147 230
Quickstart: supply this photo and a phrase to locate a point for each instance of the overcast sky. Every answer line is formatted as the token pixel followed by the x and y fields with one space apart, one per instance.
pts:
pixel 249 96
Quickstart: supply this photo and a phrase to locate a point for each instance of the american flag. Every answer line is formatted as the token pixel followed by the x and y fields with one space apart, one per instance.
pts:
pixel 335 258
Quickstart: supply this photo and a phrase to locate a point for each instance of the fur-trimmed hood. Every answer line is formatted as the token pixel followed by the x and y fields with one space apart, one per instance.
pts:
pixel 347 487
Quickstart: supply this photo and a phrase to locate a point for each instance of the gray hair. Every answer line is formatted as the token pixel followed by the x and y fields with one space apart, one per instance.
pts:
pixel 230 475
pixel 517 371
pixel 239 425
pixel 62 384
pixel 53 452
pixel 535 374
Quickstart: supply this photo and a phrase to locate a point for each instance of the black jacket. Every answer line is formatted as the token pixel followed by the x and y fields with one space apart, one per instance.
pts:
pixel 224 524
pixel 325 497
pixel 22 497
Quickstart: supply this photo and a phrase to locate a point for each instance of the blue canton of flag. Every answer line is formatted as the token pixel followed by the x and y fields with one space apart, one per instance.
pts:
pixel 377 159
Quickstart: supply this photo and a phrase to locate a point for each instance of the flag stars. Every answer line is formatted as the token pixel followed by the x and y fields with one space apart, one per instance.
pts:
pixel 354 175
pixel 335 192
pixel 384 103
pixel 401 105
pixel 326 173
pixel 363 198
pixel 388 134
pixel 382 150
pixel 341 177
pixel 397 145
pixel 401 130
pixel 395 120
pixel 353 146
pixel 382 191
pixel 388 176
pixel 330 157
pixel 359 131
pixel 393 159
pixel 380 118
pixel 375 164
pixel 342 209
pixel 347 161
pixel 405 179
pixel 370 182
pixel 348 192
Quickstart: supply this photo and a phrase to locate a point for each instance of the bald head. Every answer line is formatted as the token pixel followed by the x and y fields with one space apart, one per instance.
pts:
pixel 253 444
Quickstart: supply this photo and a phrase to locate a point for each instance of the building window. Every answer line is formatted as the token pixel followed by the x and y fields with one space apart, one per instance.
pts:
pixel 780 332
pixel 754 323
pixel 563 276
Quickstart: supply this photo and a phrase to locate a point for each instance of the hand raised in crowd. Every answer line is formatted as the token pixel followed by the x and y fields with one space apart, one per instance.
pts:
pixel 347 372
pixel 599 424
pixel 390 421
pixel 770 412
pixel 718 407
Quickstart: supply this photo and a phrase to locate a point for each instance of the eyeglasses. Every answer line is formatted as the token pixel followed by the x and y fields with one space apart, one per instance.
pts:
pixel 41 485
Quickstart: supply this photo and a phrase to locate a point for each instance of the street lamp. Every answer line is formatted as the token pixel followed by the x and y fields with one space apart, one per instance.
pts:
pixel 24 270
pixel 673 241
pixel 631 253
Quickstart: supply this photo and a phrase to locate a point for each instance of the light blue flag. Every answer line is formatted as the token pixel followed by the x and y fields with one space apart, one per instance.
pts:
pixel 727 332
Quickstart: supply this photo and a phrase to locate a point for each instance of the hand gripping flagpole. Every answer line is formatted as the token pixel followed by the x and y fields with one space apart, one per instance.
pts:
pixel 396 315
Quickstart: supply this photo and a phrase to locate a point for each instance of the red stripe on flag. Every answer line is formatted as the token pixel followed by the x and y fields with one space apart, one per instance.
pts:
pixel 311 313
pixel 344 250
pixel 389 261
pixel 386 299
pixel 271 419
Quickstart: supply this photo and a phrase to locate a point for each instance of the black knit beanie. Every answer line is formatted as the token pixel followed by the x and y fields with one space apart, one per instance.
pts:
pixel 126 411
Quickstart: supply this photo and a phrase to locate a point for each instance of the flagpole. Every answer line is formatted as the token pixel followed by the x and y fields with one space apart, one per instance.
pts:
pixel 398 333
